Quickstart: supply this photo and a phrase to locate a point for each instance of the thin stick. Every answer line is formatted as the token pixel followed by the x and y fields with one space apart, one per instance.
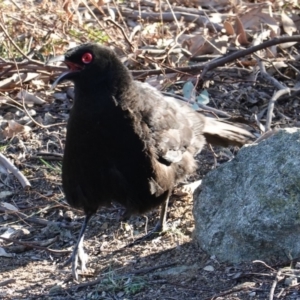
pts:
pixel 16 172
pixel 33 245
pixel 17 47
pixel 276 280
pixel 218 62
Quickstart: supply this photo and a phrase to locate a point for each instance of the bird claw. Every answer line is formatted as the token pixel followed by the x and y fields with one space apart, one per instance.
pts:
pixel 78 253
pixel 74 266
pixel 83 258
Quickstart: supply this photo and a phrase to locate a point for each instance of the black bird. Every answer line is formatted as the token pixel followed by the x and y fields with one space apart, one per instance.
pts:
pixel 126 142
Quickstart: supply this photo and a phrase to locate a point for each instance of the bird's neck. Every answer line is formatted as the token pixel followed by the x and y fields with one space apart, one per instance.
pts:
pixel 106 91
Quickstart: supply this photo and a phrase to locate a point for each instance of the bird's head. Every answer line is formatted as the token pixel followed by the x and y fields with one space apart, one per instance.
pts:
pixel 88 63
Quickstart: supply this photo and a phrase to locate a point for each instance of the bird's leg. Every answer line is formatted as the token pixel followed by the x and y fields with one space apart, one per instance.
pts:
pixel 78 251
pixel 159 227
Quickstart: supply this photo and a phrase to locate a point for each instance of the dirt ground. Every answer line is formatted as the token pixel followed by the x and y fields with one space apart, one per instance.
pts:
pixel 171 266
pixel 37 227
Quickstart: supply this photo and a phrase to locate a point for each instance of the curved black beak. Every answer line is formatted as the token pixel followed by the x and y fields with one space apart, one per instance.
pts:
pixel 72 68
pixel 60 78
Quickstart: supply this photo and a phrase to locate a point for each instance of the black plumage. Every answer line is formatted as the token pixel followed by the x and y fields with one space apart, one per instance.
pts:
pixel 126 142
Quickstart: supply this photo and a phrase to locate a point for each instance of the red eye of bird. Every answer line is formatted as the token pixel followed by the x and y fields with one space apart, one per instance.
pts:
pixel 87 58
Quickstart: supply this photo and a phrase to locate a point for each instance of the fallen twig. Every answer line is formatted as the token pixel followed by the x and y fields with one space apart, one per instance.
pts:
pixel 218 62
pixel 16 172
pixel 17 47
pixel 34 245
pixel 242 53
pixel 200 20
pixel 263 263
pixel 268 77
pixel 276 280
pixel 48 155
pixel 282 90
pixel 123 32
pixel 8 281
pixel 97 281
pixel 240 288
pixel 39 221
pixel 271 105
pixel 147 270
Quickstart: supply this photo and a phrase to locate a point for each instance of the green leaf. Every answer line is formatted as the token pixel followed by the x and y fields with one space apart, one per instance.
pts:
pixel 195 106
pixel 188 90
pixel 203 98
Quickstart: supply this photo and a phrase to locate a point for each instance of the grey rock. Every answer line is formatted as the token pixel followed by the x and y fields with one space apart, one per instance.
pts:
pixel 249 208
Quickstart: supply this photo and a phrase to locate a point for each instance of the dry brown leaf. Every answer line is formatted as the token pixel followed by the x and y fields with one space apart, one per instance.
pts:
pixel 229 28
pixel 13 128
pixel 198 45
pixel 3 253
pixel 248 63
pixel 17 79
pixel 254 19
pixel 66 7
pixel 25 77
pixel 30 98
pixel 9 206
pixel 239 29
pixel 288 24
pixel 9 82
pixel 4 194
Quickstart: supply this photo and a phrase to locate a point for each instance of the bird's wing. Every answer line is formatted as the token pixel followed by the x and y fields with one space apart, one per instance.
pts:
pixel 175 128
pixel 224 133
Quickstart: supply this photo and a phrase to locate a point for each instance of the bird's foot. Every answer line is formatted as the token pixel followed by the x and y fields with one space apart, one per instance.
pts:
pixel 78 253
pixel 156 231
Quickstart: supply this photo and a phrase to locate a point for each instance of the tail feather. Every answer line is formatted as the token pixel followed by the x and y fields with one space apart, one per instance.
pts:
pixel 222 133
